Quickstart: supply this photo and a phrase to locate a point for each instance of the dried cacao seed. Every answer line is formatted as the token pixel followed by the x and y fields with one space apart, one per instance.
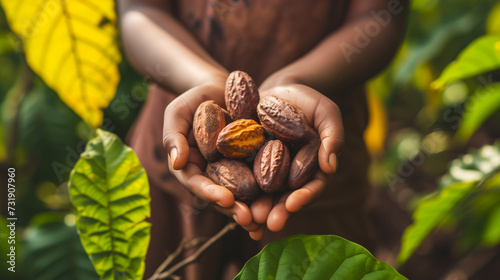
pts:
pixel 209 120
pixel 271 166
pixel 304 165
pixel 242 96
pixel 236 177
pixel 282 119
pixel 240 139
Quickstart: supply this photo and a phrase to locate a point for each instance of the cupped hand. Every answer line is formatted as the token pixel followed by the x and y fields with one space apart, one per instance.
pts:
pixel 324 116
pixel 185 160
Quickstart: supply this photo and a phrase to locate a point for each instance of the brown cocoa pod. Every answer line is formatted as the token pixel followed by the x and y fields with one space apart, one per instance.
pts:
pixel 271 166
pixel 209 120
pixel 236 177
pixel 304 164
pixel 282 119
pixel 241 95
pixel 240 139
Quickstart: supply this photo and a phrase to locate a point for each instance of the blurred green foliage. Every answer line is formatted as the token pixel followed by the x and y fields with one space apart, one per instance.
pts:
pixel 423 120
pixel 468 195
pixel 52 250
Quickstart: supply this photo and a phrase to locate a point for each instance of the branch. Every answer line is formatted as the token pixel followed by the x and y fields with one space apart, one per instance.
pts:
pixel 185 245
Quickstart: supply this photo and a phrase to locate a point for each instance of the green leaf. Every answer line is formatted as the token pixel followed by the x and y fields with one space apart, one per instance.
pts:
pixel 480 56
pixel 110 190
pixel 6 43
pixel 46 129
pixel 316 257
pixel 52 250
pixel 480 215
pixel 478 109
pixel 491 233
pixel 429 214
pixel 464 177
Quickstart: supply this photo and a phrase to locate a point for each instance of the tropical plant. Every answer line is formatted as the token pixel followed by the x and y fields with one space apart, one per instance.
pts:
pixel 471 186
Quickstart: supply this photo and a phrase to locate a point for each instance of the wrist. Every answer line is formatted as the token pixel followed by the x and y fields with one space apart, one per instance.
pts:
pixel 218 78
pixel 278 79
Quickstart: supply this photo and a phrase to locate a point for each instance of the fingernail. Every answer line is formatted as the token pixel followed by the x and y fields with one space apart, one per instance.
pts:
pixel 173 156
pixel 332 161
pixel 235 219
pixel 219 203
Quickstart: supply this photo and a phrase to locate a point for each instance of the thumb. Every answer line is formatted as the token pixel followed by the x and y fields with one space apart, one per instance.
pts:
pixel 175 131
pixel 328 121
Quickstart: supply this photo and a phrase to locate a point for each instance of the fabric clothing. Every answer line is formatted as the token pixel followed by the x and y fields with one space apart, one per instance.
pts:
pixel 258 37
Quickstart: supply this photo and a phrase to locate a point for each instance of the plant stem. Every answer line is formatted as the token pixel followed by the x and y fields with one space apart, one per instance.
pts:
pixel 185 245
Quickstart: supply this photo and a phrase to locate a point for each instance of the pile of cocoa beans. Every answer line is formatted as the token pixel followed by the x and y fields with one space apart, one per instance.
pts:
pixel 269 135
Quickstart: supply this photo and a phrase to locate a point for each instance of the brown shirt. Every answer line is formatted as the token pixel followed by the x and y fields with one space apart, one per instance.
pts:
pixel 260 36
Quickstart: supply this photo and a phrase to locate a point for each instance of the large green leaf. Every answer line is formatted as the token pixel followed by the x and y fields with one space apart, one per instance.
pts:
pixel 52 250
pixel 478 108
pixel 465 175
pixel 110 190
pixel 429 214
pixel 316 257
pixel 480 56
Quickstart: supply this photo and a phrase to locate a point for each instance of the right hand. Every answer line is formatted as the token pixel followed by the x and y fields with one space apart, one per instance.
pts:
pixel 185 160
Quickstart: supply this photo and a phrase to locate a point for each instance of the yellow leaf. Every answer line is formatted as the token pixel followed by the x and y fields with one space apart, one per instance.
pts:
pixel 377 127
pixel 73 46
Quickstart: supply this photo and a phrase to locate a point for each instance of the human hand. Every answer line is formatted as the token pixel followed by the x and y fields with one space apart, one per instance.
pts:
pixel 185 160
pixel 324 116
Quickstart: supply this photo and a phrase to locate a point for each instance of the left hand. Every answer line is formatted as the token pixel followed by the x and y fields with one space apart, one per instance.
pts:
pixel 324 116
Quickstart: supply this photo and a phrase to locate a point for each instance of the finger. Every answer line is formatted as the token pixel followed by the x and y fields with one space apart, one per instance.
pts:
pixel 328 122
pixel 177 121
pixel 239 212
pixel 251 227
pixel 307 194
pixel 196 183
pixel 257 234
pixel 261 207
pixel 278 216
